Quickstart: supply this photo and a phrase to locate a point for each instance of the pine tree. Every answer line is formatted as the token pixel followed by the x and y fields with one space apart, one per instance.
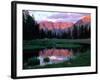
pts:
pixel 30 27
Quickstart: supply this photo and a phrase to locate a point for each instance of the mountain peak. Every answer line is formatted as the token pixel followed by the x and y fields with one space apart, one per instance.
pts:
pixel 55 25
pixel 85 20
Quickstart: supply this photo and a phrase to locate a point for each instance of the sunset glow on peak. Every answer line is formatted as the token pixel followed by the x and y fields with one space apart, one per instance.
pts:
pixel 55 25
pixel 87 18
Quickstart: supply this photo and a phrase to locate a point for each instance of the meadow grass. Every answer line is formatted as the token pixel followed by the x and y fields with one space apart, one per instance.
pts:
pixel 50 43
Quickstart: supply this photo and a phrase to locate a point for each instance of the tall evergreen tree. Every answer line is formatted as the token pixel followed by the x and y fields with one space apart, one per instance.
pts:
pixel 30 26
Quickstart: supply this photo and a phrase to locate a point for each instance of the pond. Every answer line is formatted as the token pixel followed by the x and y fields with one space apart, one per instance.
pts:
pixel 42 57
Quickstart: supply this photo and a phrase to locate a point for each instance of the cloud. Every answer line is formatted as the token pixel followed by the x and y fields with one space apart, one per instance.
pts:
pixel 57 16
pixel 68 17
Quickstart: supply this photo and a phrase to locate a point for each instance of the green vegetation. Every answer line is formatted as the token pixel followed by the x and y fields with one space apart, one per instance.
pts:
pixel 33 61
pixel 51 43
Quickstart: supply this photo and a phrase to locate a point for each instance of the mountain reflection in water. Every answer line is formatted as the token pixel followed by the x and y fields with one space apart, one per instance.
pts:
pixel 54 55
pixel 49 56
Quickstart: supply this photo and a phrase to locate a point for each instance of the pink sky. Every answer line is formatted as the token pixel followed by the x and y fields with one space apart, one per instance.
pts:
pixel 57 16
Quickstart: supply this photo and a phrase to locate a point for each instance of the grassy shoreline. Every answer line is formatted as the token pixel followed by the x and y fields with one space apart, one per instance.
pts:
pixel 53 43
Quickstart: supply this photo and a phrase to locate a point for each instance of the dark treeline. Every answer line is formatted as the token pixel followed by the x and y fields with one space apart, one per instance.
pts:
pixel 77 32
pixel 31 30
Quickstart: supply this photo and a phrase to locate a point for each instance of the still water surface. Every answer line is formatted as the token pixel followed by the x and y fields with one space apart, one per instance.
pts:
pixel 41 57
